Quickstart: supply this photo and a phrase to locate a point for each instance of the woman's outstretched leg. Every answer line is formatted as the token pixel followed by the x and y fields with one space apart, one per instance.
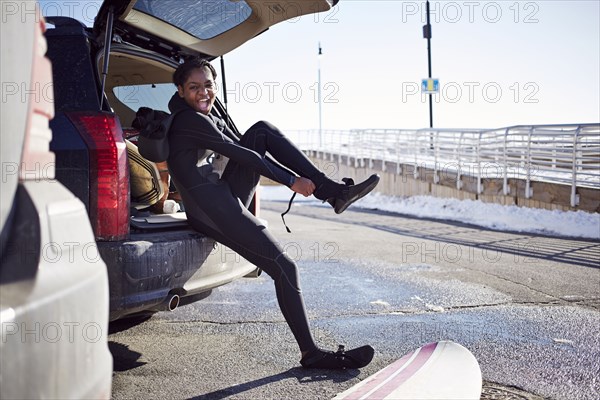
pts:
pixel 264 137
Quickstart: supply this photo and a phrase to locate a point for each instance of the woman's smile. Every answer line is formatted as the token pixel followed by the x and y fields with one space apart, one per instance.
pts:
pixel 199 90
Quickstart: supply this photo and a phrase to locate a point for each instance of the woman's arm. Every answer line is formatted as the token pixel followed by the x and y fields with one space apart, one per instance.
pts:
pixel 201 132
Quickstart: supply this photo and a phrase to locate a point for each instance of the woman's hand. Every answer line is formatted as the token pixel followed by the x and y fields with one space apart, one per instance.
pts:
pixel 303 186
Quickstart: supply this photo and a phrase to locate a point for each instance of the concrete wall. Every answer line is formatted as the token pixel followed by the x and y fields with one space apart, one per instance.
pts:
pixel 399 180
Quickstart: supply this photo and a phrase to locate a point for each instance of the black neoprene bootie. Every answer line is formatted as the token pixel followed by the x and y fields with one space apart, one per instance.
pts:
pixel 325 187
pixel 341 359
pixel 348 193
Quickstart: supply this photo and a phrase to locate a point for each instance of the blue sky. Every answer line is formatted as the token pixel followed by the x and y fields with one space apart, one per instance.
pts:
pixel 499 63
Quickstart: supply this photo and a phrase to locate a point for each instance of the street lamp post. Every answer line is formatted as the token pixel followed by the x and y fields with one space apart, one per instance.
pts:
pixel 319 56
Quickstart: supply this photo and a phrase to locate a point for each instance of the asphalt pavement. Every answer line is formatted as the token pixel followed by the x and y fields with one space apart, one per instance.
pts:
pixel 527 306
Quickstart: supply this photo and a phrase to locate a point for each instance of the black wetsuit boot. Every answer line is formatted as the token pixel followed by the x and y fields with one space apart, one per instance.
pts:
pixel 341 196
pixel 341 359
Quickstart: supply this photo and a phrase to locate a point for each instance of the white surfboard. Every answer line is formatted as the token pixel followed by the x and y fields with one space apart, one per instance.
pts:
pixel 441 370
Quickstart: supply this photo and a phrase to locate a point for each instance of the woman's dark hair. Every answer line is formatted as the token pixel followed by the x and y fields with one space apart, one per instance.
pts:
pixel 183 72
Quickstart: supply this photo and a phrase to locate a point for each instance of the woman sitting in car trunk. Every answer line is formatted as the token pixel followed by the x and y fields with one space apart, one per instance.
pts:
pixel 218 205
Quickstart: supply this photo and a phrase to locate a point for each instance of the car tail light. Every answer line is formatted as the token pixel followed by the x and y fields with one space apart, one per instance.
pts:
pixel 109 177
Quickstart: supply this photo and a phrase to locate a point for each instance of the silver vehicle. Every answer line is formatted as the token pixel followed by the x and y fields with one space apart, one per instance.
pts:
pixel 54 302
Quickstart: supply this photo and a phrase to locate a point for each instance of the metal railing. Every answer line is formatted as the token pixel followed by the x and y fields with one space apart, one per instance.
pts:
pixel 561 154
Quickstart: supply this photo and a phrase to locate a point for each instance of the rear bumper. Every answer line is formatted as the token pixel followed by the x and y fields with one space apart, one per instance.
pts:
pixel 145 269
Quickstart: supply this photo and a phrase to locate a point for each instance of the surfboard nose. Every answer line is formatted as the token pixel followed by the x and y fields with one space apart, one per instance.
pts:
pixel 439 370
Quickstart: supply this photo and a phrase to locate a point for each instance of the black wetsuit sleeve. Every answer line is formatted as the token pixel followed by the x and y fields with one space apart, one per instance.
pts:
pixel 199 131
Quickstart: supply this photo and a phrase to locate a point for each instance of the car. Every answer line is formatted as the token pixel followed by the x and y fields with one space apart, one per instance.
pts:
pixel 103 75
pixel 54 303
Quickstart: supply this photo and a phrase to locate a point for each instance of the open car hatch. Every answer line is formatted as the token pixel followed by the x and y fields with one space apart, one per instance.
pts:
pixel 192 27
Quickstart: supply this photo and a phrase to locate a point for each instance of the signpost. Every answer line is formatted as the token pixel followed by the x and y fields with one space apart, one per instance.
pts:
pixel 427 35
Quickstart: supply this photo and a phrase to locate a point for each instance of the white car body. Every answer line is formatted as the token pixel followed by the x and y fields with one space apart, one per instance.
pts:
pixel 53 283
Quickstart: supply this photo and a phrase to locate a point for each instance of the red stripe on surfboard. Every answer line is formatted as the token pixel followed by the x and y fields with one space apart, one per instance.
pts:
pixel 392 369
pixel 379 377
pixel 407 373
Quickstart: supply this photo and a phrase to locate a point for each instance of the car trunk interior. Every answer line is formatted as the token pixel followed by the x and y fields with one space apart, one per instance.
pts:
pixel 130 71
pixel 149 181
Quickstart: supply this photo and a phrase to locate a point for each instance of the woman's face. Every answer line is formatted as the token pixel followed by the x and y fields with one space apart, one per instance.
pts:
pixel 199 90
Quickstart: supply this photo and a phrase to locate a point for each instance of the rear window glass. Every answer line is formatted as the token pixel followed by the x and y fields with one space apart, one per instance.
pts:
pixel 155 96
pixel 200 18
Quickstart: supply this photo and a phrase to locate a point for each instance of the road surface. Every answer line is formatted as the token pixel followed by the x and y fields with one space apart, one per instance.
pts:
pixel 527 307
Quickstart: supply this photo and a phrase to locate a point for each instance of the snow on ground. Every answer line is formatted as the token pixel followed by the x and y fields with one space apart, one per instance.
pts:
pixel 579 224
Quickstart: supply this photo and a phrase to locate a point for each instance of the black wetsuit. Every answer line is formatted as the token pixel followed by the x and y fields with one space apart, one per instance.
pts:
pixel 219 207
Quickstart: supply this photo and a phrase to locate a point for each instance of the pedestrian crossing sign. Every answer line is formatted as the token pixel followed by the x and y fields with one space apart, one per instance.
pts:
pixel 430 86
